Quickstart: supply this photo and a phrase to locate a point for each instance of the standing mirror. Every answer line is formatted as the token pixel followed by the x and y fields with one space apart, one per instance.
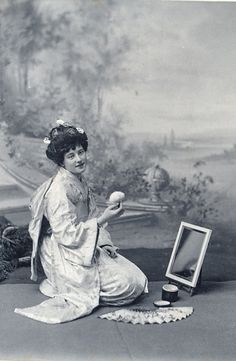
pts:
pixel 188 254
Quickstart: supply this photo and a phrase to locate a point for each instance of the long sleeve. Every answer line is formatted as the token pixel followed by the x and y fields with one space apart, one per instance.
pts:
pixel 104 236
pixel 78 237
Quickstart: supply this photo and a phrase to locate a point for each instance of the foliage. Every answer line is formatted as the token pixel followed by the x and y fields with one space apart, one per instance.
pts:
pixel 15 243
pixel 24 115
pixel 22 38
pixel 63 64
pixel 192 198
pixel 122 166
pixel 59 64
pixel 126 178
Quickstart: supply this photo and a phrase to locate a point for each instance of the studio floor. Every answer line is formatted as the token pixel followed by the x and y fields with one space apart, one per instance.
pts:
pixel 208 334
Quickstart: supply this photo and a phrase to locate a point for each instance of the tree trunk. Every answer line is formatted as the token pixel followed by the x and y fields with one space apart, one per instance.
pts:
pixel 99 103
pixel 25 77
pixel 19 73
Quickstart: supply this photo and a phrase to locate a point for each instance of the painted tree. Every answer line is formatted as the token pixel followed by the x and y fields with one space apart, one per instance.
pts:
pixel 22 33
pixel 62 63
pixel 86 49
pixel 91 54
pixel 26 32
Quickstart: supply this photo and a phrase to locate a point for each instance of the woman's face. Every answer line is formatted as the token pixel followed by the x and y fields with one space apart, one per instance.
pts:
pixel 75 160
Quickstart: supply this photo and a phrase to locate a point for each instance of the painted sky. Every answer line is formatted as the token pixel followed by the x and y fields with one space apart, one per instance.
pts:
pixel 181 66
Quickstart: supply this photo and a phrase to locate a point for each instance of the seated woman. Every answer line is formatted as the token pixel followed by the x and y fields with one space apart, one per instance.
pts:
pixel 82 267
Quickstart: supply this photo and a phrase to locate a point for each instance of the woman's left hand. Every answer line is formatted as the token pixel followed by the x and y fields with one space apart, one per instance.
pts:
pixel 110 251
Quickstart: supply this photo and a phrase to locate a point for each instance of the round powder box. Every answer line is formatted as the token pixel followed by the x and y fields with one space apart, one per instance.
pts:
pixel 161 303
pixel 170 293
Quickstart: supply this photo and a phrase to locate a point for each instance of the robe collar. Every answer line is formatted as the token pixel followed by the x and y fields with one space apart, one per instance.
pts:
pixel 78 181
pixel 76 178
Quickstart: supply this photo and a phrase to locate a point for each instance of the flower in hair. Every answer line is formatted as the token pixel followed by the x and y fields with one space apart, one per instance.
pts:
pixel 60 122
pixel 80 130
pixel 46 140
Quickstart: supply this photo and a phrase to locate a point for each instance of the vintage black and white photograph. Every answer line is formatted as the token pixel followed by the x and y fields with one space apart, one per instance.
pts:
pixel 117 180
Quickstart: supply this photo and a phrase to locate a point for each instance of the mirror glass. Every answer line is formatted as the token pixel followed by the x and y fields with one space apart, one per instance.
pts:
pixel 188 252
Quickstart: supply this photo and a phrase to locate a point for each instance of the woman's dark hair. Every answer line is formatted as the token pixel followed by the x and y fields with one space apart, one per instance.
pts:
pixel 62 139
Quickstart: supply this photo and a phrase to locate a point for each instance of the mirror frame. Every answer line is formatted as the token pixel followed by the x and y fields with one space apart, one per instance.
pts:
pixel 179 279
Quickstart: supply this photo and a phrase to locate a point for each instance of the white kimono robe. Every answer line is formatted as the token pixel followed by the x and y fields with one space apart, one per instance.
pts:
pixel 80 274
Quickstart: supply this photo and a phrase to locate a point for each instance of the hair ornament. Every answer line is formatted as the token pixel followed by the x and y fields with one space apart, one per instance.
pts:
pixel 80 130
pixel 65 124
pixel 60 122
pixel 46 140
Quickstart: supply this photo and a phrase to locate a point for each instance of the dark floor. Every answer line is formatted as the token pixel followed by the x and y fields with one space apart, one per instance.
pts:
pixel 153 262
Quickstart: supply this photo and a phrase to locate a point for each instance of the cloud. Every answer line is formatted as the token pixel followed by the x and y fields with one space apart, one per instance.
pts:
pixel 182 63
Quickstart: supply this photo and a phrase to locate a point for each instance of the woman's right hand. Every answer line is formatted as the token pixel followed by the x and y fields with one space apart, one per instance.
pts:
pixel 110 213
